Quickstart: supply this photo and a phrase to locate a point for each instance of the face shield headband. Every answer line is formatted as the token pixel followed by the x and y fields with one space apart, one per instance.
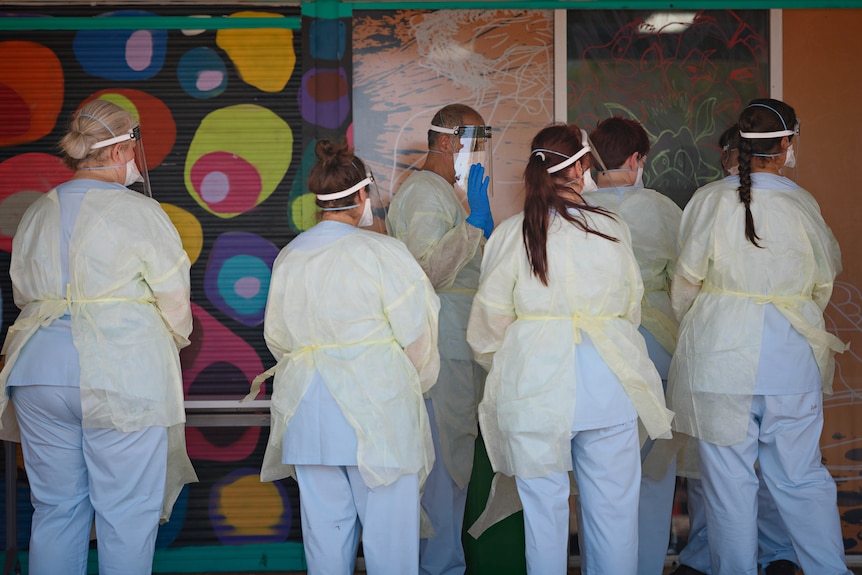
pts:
pixel 565 163
pixel 791 154
pixel 373 213
pixel 777 134
pixel 472 147
pixel 472 132
pixel 344 193
pixel 140 160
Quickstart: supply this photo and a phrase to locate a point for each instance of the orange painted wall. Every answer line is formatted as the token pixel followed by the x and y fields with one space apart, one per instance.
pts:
pixel 822 81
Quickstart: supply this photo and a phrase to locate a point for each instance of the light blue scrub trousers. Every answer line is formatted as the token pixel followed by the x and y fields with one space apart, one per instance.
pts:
pixel 444 503
pixel 655 510
pixel 335 505
pixel 607 469
pixel 655 507
pixel 74 471
pixel 784 435
pixel 773 541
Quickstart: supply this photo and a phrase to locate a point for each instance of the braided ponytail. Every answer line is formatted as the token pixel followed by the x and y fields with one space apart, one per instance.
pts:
pixel 745 189
pixel 761 126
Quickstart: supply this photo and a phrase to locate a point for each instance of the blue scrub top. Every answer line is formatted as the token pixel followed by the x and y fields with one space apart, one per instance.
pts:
pixel 787 364
pixel 55 340
pixel 318 433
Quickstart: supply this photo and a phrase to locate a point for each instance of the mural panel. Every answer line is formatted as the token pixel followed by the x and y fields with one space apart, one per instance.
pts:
pixel 684 75
pixel 408 64
pixel 219 112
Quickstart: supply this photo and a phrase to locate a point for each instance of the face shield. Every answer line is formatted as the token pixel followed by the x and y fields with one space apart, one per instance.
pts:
pixel 567 163
pixel 137 175
pixel 376 222
pixel 589 182
pixel 792 152
pixel 473 146
pixel 730 160
pixel 374 213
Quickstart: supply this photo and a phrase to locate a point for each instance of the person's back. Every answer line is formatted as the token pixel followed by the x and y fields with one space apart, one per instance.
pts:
pixel 584 270
pixel 376 265
pixel 756 268
pixel 103 283
pixel 622 145
pixel 775 548
pixel 424 210
pixel 555 322
pixel 122 254
pixel 653 219
pixel 792 229
pixel 351 320
pixel 429 216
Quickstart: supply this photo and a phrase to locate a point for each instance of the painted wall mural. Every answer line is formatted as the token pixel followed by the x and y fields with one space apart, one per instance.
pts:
pixel 226 116
pixel 221 123
pixel 408 64
pixel 685 76
pixel 840 443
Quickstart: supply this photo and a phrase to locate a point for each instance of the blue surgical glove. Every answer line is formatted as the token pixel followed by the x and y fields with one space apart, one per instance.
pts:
pixel 477 197
pixel 489 227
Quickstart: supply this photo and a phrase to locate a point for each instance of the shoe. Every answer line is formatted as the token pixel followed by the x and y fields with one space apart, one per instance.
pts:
pixel 686 570
pixel 780 567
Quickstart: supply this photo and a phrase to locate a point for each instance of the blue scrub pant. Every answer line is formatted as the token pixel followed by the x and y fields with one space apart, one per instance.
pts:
pixel 607 468
pixel 784 435
pixel 655 508
pixel 695 554
pixel 773 541
pixel 74 472
pixel 335 505
pixel 444 503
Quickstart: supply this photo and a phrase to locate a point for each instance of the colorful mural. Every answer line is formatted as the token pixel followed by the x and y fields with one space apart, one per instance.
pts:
pixel 840 442
pixel 685 76
pixel 408 64
pixel 325 103
pixel 218 113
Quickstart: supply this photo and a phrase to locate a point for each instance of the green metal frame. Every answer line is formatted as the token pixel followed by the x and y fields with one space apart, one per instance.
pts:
pixel 330 9
pixel 145 23
pixel 277 557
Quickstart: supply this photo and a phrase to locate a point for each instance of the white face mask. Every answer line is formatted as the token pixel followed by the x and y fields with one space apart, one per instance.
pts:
pixel 132 173
pixel 733 170
pixel 790 158
pixel 589 183
pixel 367 218
pixel 639 179
pixel 462 168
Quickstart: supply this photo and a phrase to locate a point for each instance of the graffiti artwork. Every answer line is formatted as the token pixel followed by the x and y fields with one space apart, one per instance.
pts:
pixel 222 139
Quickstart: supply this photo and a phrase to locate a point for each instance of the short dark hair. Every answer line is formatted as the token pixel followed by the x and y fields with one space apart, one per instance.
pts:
pixel 616 138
